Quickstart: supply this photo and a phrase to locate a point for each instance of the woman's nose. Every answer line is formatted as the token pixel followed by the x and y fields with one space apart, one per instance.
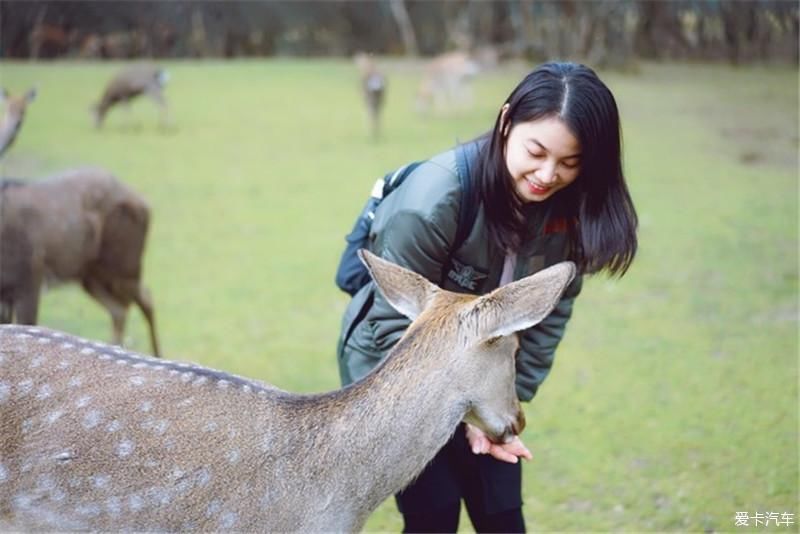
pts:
pixel 547 173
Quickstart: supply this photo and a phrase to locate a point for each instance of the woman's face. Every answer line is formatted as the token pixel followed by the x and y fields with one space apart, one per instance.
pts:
pixel 543 156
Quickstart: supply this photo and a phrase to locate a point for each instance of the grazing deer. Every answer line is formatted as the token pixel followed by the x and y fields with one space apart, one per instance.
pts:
pixel 13 117
pixel 97 438
pixel 83 226
pixel 446 82
pixel 373 87
pixel 130 82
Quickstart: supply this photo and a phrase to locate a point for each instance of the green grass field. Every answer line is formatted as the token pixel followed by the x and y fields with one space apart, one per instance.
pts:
pixel 673 404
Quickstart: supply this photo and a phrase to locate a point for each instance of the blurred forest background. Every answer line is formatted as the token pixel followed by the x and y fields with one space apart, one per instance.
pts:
pixel 604 33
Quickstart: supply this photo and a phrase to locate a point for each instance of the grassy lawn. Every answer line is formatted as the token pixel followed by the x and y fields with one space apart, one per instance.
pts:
pixel 673 404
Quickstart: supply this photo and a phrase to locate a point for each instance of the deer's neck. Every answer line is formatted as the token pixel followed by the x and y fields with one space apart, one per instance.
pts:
pixel 8 130
pixel 399 417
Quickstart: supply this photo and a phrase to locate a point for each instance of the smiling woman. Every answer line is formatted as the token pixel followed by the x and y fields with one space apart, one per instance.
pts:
pixel 549 185
pixel 543 157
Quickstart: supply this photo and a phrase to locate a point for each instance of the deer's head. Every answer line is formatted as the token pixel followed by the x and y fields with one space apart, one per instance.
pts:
pixel 483 330
pixel 11 122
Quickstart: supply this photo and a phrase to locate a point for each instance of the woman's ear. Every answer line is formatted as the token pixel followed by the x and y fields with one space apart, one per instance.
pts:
pixel 504 125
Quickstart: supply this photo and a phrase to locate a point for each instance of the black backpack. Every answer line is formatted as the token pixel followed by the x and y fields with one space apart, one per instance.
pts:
pixel 352 275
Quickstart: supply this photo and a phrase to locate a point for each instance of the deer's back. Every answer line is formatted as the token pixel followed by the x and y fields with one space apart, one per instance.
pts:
pixel 61 220
pixel 97 437
pixel 132 81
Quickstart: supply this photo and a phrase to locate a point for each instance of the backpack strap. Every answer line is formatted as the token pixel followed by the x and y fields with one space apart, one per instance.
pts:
pixel 465 155
pixel 393 180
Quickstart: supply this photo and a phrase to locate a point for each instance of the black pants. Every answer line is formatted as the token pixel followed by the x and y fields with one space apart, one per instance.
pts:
pixel 491 489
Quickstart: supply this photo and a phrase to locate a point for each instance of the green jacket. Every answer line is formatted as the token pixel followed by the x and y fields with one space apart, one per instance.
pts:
pixel 414 227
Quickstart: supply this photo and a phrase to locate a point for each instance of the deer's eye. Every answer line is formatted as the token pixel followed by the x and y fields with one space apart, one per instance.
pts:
pixel 492 340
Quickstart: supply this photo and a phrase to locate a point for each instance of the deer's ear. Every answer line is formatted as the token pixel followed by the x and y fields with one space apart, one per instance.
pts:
pixel 408 292
pixel 521 304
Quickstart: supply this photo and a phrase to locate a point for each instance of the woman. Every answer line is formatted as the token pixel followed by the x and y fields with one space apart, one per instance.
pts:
pixel 549 185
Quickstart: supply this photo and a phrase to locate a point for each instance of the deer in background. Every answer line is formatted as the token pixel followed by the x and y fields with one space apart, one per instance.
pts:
pixel 13 116
pixel 446 82
pixel 373 88
pixel 83 226
pixel 97 438
pixel 129 83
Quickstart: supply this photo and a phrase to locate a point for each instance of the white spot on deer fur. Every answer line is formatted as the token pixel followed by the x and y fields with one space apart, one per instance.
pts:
pixel 23 336
pixel 246 388
pixel 56 335
pixel 113 426
pixel 27 425
pixel 146 406
pixel 200 381
pixel 87 350
pixel 105 356
pixel 113 506
pixel 213 508
pixel 159 495
pixel 52 417
pixel 3 473
pixel 75 381
pixel 83 401
pixel 222 384
pixel 185 377
pixel 5 391
pixel 136 380
pixel 22 501
pixel 88 510
pixel 25 387
pixel 157 426
pixel 63 364
pixel 124 448
pixel 232 456
pixel 34 330
pixel 203 476
pixel 186 402
pixel 57 494
pixel 45 483
pixel 121 362
pixel 43 341
pixel 211 426
pixel 100 481
pixel 36 362
pixel 92 419
pixel 228 519
pixel 44 392
pixel 67 345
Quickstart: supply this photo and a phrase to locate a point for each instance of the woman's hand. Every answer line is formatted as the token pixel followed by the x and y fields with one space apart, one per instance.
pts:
pixel 507 452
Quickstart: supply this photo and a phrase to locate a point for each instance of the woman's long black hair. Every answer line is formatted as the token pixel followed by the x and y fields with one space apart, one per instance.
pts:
pixel 597 206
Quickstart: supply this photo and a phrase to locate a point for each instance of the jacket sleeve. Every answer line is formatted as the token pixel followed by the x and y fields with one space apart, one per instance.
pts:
pixel 538 343
pixel 418 244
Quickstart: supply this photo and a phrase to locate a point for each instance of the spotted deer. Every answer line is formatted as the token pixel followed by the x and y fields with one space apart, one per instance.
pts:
pixel 98 438
pixel 133 81
pixel 373 89
pixel 83 226
pixel 14 116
